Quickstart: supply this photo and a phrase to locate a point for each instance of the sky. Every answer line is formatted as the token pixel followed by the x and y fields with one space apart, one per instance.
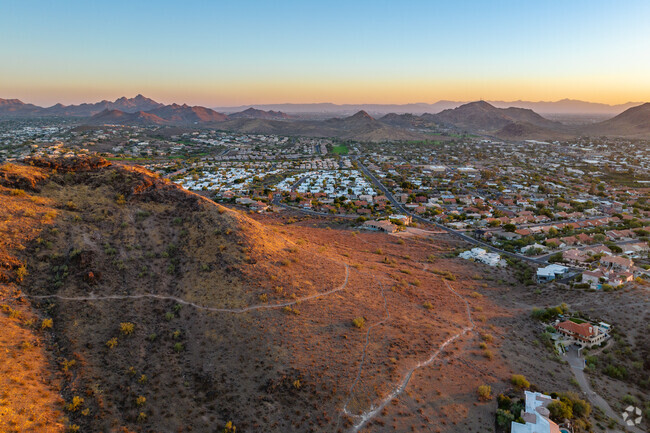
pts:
pixel 221 53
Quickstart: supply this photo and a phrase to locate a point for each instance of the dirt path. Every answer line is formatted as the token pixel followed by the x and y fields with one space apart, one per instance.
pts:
pixel 201 307
pixel 401 386
pixel 363 354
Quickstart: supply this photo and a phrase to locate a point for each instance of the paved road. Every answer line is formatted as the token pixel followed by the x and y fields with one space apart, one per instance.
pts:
pixel 457 233
pixel 577 367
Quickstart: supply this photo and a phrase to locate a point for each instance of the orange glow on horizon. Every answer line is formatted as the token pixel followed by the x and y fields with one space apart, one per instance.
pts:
pixel 380 91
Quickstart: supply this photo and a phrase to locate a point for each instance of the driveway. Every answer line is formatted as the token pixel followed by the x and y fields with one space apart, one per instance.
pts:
pixel 577 364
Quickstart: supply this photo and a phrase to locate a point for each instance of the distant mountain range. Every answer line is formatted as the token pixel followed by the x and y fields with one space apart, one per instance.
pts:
pixel 253 113
pixel 564 106
pixel 481 117
pixel 16 108
pixel 520 123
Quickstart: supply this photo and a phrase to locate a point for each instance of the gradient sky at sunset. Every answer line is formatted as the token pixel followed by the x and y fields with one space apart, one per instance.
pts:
pixel 243 52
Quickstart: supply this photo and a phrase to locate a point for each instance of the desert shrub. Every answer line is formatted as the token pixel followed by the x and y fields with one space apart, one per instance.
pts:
pixel 504 418
pixel 68 364
pixel 581 409
pixel 75 404
pixel 47 323
pixel 21 273
pixel 229 428
pixel 629 399
pixel 428 305
pixel 143 379
pixel 615 372
pixel 178 347
pixel 126 328
pixel 504 401
pixel 475 295
pixel 559 410
pixel 545 315
pixel 484 392
pixel 263 297
pixel 111 343
pixel 297 384
pixel 140 401
pixel 488 354
pixel 119 199
pixel 142 417
pixel 487 338
pixel 359 322
pixel 290 310
pixel 519 381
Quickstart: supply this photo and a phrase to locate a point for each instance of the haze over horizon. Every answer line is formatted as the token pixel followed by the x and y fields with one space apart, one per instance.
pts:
pixel 253 53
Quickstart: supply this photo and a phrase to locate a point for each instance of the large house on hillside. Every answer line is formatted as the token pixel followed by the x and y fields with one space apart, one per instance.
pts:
pixel 535 415
pixel 383 225
pixel 584 334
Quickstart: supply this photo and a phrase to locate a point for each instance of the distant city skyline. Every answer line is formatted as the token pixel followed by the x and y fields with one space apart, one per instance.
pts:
pixel 357 52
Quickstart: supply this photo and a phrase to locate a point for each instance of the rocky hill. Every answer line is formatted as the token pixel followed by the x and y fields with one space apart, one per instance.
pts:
pixel 633 122
pixel 361 126
pixel 173 114
pixel 253 113
pixel 484 117
pixel 128 304
pixel 149 308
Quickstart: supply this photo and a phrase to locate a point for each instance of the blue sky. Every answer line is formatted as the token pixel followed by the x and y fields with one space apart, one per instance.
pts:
pixel 217 53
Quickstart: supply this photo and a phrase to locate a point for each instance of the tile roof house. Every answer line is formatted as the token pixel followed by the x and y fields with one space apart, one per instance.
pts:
pixel 384 226
pixel 584 334
pixel 617 262
pixel 575 256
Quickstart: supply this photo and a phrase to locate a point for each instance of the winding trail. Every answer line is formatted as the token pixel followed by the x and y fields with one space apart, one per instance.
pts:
pixel 363 353
pixel 401 386
pixel 201 307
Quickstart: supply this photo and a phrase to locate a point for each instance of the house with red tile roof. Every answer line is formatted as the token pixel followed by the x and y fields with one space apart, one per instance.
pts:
pixel 584 334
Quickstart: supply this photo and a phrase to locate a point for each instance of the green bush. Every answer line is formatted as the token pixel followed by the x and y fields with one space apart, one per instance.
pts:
pixel 484 392
pixel 519 381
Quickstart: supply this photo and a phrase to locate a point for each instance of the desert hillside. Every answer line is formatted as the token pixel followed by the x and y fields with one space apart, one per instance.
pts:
pixel 132 305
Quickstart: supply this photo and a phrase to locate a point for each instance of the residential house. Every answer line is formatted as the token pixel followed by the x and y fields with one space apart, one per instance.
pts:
pixel 583 334
pixel 551 272
pixel 575 256
pixel 617 262
pixel 383 225
pixel 535 415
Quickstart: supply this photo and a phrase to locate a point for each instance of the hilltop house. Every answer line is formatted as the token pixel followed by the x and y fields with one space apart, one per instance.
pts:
pixel 481 255
pixel 535 415
pixel 383 225
pixel 551 272
pixel 584 334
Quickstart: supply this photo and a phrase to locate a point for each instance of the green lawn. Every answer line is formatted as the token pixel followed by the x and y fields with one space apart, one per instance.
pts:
pixel 340 150
pixel 578 321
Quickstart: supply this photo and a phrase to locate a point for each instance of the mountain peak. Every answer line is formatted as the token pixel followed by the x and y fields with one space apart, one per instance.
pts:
pixel 479 104
pixel 362 114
